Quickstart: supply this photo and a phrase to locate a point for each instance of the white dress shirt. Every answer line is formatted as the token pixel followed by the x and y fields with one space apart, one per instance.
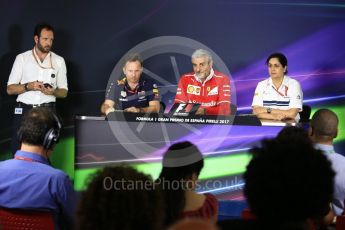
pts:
pixel 289 95
pixel 28 68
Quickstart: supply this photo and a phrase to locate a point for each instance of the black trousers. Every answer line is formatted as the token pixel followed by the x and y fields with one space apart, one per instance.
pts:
pixel 15 144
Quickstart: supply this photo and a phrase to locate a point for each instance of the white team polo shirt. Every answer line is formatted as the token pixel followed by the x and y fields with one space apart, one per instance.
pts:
pixel 289 95
pixel 28 69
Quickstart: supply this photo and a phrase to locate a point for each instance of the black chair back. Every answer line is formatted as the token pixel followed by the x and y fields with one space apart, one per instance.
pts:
pixel 305 114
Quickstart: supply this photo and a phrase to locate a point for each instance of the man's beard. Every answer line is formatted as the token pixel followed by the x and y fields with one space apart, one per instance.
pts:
pixel 42 49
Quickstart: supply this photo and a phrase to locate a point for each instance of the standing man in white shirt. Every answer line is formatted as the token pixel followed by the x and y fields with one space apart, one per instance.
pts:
pixel 38 77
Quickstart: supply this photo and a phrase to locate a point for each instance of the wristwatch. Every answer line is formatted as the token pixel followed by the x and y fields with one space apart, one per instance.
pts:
pixel 269 110
pixel 26 87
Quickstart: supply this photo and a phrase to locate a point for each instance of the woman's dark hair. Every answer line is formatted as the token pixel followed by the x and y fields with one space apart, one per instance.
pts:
pixel 180 162
pixel 120 198
pixel 281 58
pixel 293 132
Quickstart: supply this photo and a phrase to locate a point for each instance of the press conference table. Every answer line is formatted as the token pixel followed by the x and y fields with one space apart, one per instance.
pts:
pixel 265 122
pixel 142 139
pixel 130 137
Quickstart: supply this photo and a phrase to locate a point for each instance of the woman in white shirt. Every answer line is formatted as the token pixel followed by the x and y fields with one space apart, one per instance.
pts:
pixel 278 97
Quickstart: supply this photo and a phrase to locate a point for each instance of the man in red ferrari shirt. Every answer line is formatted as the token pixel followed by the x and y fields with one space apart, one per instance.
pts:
pixel 205 86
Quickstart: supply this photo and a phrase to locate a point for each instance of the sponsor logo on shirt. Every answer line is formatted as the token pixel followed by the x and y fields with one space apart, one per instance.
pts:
pixel 214 91
pixel 298 97
pixel 155 93
pixel 141 94
pixel 208 104
pixel 192 89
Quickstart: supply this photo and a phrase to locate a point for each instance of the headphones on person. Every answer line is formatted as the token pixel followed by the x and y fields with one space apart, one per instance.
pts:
pixel 51 136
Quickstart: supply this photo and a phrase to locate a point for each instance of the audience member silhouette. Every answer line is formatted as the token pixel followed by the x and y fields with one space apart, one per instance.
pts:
pixel 28 181
pixel 182 164
pixel 293 132
pixel 120 198
pixel 288 181
pixel 323 130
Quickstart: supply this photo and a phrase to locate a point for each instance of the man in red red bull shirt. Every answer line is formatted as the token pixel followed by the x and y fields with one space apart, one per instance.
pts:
pixel 205 86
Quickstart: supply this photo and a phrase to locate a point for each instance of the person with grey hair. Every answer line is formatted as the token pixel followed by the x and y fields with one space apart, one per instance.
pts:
pixel 205 86
pixel 132 93
pixel 322 131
